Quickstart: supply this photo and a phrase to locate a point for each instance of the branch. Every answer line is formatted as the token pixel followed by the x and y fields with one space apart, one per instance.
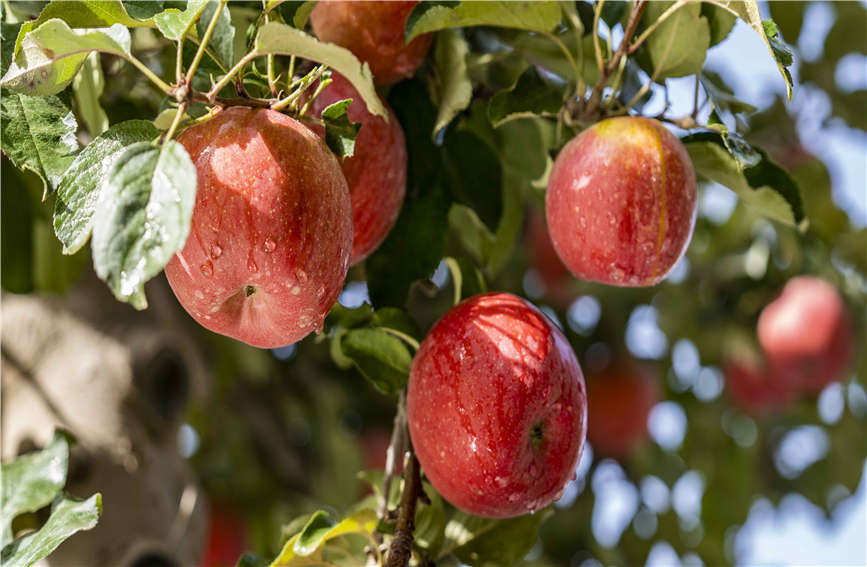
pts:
pixel 401 546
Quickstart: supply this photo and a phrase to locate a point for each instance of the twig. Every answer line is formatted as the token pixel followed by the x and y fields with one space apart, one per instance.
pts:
pixel 222 101
pixel 396 449
pixel 695 98
pixel 400 551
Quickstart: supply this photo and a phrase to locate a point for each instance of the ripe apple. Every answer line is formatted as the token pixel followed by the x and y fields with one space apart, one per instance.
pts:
pixel 376 173
pixel 620 398
pixel 806 333
pixel 374 32
pixel 755 388
pixel 271 232
pixel 621 202
pixel 497 407
pixel 227 536
pixel 546 262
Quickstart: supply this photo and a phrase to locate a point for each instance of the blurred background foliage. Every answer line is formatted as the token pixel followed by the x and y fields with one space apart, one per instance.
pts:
pixel 280 433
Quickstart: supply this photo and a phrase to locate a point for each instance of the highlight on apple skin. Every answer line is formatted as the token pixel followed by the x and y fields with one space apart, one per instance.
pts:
pixel 271 231
pixel 496 406
pixel 373 32
pixel 806 334
pixel 376 172
pixel 621 202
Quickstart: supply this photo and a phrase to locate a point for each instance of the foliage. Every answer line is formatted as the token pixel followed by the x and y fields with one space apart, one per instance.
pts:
pixel 92 101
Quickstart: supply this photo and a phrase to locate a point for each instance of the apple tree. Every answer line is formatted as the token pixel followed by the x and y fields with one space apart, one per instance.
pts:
pixel 403 283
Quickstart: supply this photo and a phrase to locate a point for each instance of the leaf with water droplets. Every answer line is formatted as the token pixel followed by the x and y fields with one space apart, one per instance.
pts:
pixel 480 541
pixel 142 216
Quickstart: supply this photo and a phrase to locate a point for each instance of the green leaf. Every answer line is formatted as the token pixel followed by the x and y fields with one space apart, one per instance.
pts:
pixel 142 9
pixel 221 45
pixel 87 87
pixel 722 97
pixel 719 20
pixel 478 541
pixel 31 482
pixel 781 51
pixel 281 39
pixel 68 516
pixel 51 54
pixel 397 319
pixel 295 12
pixel 38 134
pixel 175 24
pixel 347 317
pixel 142 216
pixel 16 239
pixel 534 16
pixel 678 46
pixel 8 36
pixel 92 14
pixel 529 96
pixel 380 357
pixel 749 12
pixel 319 530
pixel 455 90
pixel 79 188
pixel 340 131
pixel 473 173
pixel 251 560
pixel 766 186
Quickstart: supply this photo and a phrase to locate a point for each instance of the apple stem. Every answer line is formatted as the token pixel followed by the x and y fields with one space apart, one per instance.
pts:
pixel 400 551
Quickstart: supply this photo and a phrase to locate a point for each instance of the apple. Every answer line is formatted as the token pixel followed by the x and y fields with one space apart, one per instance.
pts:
pixel 271 231
pixel 376 173
pixel 806 333
pixel 620 397
pixel 227 537
pixel 544 259
pixel 755 388
pixel 496 407
pixel 373 32
pixel 621 202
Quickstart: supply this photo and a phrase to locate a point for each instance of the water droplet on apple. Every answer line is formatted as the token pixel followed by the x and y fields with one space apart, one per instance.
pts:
pixel 501 481
pixel 252 266
pixel 216 251
pixel 616 274
pixel 302 276
pixel 207 269
pixel 270 244
pixel 513 497
pixel 320 292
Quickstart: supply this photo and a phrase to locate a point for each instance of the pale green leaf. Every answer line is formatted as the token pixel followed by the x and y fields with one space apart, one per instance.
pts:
pixel 281 39
pixel 175 24
pixel 51 54
pixel 381 357
pixel 678 46
pixel 318 530
pixel 87 87
pixel 430 17
pixel 79 188
pixel 142 216
pixel 455 90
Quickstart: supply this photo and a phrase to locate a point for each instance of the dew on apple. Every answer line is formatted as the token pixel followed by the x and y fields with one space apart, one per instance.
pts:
pixel 216 251
pixel 270 244
pixel 207 269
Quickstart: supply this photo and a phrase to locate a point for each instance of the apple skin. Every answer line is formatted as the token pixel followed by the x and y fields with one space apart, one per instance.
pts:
pixel 620 398
pixel 376 173
pixel 806 333
pixel 272 217
pixel 497 407
pixel 227 537
pixel 755 389
pixel 373 32
pixel 621 202
pixel 546 262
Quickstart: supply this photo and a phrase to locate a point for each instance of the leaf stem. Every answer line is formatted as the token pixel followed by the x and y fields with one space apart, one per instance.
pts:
pixel 179 62
pixel 179 115
pixel 227 78
pixel 597 13
pixel 205 38
pixel 402 336
pixel 163 86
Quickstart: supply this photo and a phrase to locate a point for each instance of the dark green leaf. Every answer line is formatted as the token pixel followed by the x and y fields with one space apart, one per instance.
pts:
pixel 381 357
pixel 251 560
pixel 8 35
pixel 68 516
pixel 347 317
pixel 38 133
pixel 529 96
pixel 397 319
pixel 781 51
pixel 31 482
pixel 474 175
pixel 79 188
pixel 480 541
pixel 143 9
pixel 429 17
pixel 765 186
pixel 340 131
pixel 678 46
pixel 455 90
pixel 296 12
pixel 142 216
pixel 613 12
pixel 221 44
pixel 720 21
pixel 16 241
pixel 472 280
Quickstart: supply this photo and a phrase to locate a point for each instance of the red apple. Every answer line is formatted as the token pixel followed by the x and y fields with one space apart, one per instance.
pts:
pixel 374 32
pixel 546 262
pixel 226 541
pixel 620 398
pixel 755 388
pixel 806 333
pixel 376 173
pixel 271 232
pixel 621 202
pixel 496 407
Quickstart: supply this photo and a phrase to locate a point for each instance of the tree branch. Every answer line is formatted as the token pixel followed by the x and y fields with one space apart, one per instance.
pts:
pixel 400 551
